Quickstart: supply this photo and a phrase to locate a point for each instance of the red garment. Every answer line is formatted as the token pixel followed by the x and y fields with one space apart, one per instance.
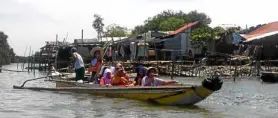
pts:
pixel 102 81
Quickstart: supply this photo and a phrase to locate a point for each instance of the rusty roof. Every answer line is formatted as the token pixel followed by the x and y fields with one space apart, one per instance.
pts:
pixel 185 27
pixel 268 28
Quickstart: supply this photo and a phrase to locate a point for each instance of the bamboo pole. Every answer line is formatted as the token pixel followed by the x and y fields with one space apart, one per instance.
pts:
pixel 155 52
pixel 235 72
pixel 17 64
pixel 82 37
pixel 172 73
pixel 34 65
pixel 24 58
pixel 29 60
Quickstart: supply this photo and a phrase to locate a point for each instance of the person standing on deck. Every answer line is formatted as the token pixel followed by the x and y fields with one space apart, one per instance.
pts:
pixel 78 65
pixel 96 64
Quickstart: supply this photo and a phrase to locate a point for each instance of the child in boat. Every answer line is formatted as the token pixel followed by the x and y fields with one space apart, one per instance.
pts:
pixel 151 79
pixel 96 64
pixel 107 77
pixel 141 72
pixel 120 79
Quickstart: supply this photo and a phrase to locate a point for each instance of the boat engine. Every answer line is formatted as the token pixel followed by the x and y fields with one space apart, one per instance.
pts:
pixel 213 83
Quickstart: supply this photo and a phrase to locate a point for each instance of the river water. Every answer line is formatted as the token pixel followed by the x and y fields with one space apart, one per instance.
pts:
pixel 245 98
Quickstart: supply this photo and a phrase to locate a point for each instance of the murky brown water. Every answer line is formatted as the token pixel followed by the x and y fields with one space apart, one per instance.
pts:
pixel 245 98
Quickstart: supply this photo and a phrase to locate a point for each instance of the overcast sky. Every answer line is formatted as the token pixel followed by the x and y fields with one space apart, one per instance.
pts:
pixel 32 22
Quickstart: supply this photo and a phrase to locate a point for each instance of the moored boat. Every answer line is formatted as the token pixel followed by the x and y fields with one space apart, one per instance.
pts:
pixel 271 77
pixel 166 95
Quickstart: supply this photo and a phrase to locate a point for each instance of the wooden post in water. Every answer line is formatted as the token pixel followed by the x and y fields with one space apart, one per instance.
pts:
pixel 168 68
pixel 17 64
pixel 29 60
pixel 34 65
pixel 145 46
pixel 24 58
pixel 82 36
pixel 172 73
pixel 235 72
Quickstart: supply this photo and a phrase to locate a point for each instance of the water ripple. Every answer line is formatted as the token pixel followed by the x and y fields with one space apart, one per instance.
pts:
pixel 247 98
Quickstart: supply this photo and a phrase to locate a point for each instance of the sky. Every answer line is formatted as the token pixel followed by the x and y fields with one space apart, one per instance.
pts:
pixel 32 22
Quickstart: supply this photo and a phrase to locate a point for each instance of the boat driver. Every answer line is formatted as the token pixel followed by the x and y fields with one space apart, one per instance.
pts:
pixel 151 79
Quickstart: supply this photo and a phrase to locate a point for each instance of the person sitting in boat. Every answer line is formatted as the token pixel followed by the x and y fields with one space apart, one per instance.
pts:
pixel 96 64
pixel 107 77
pixel 78 65
pixel 124 74
pixel 119 78
pixel 141 72
pixel 151 79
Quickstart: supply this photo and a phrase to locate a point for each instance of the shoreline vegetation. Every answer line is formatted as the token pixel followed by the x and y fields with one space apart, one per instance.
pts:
pixel 7 54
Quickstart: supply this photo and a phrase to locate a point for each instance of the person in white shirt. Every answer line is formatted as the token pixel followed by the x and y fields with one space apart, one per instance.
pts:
pixel 78 65
pixel 151 79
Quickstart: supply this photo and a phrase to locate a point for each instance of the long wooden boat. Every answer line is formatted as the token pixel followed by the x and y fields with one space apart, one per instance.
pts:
pixel 271 77
pixel 164 95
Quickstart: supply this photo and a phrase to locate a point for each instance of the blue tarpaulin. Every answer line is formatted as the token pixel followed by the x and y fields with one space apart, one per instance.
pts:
pixel 236 39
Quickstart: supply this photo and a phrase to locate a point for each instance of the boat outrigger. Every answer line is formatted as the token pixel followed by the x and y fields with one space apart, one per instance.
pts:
pixel 177 94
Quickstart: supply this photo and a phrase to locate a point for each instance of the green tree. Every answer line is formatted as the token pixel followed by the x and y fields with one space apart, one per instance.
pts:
pixel 169 20
pixel 98 25
pixel 198 16
pixel 140 29
pixel 171 24
pixel 200 36
pixel 166 18
pixel 218 32
pixel 114 30
pixel 6 52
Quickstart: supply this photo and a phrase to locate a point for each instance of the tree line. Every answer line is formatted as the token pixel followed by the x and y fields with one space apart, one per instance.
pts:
pixel 167 20
pixel 7 54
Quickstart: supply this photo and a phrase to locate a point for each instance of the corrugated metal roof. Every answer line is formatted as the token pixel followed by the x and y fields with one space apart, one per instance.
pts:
pixel 263 31
pixel 262 36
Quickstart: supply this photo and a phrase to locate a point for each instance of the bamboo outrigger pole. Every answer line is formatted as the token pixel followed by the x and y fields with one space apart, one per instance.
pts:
pixel 24 59
pixel 29 60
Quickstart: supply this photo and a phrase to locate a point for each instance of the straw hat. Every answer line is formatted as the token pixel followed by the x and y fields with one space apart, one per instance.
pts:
pixel 152 68
pixel 97 49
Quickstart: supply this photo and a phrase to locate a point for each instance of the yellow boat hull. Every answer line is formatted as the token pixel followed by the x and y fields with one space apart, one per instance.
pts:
pixel 179 94
pixel 187 96
pixel 167 95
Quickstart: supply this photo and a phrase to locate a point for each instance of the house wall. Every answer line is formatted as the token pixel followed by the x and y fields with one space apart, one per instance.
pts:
pixel 182 43
pixel 173 43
